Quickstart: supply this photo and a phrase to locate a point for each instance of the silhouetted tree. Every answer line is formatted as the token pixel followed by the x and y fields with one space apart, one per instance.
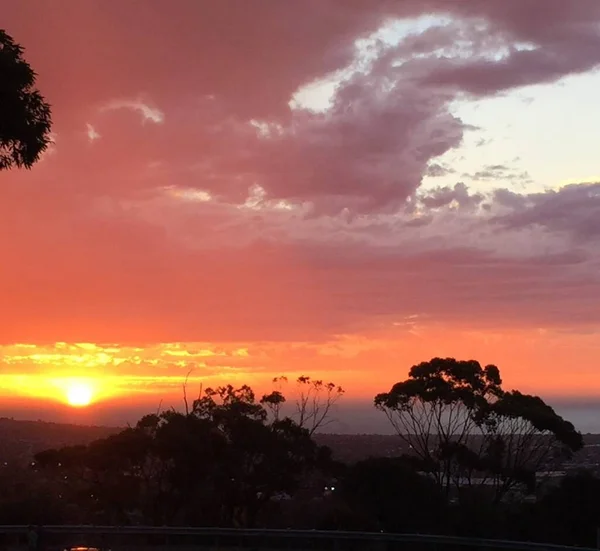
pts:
pixel 265 459
pixel 313 402
pixel 467 430
pixel 274 402
pixel 104 478
pixel 220 464
pixel 25 117
pixel 524 437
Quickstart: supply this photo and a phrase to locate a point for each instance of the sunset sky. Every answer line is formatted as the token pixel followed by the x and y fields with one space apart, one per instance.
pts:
pixel 338 188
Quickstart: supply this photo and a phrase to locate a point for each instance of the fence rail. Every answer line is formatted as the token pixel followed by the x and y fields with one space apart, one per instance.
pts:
pixel 322 535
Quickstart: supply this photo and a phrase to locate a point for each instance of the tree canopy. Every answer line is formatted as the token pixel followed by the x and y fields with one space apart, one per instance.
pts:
pixel 314 401
pixel 25 116
pixel 467 430
pixel 220 464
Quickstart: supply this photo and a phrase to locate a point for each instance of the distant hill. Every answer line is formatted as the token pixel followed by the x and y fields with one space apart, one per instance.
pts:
pixel 350 448
pixel 21 440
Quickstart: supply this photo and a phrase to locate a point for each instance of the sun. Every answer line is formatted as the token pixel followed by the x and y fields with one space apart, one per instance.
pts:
pixel 79 394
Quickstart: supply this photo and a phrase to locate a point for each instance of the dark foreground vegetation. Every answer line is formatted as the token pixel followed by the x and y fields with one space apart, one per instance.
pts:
pixel 479 465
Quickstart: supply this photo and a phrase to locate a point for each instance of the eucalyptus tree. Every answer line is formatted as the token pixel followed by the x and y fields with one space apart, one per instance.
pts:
pixel 314 402
pixel 25 116
pixel 467 430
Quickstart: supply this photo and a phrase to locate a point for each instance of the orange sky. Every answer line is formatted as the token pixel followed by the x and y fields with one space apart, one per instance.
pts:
pixel 127 381
pixel 282 190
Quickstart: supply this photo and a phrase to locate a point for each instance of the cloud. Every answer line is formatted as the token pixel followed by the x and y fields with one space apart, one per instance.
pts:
pixel 369 152
pixel 92 133
pixel 527 46
pixel 573 209
pixel 500 172
pixel 232 216
pixel 148 113
pixel 436 170
pixel 459 194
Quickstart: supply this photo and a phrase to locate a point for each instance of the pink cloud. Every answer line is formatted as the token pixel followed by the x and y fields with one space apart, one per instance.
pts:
pixel 147 235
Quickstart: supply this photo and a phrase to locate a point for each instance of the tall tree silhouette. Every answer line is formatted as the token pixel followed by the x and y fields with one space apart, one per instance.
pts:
pixel 468 430
pixel 25 117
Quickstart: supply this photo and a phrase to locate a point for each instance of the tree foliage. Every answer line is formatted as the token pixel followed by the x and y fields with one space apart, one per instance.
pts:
pixel 220 464
pixel 314 401
pixel 25 117
pixel 467 430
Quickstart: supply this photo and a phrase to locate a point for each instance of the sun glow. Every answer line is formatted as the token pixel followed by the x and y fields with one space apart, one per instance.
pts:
pixel 79 394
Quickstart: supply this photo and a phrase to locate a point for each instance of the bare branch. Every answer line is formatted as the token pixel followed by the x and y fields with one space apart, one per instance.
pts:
pixel 185 400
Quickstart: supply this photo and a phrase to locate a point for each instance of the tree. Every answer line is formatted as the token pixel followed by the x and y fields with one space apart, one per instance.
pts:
pixel 25 117
pixel 524 437
pixel 467 430
pixel 264 459
pixel 313 404
pixel 219 464
pixel 274 402
pixel 105 479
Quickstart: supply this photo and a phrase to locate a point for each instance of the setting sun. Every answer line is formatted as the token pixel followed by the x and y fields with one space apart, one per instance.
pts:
pixel 79 394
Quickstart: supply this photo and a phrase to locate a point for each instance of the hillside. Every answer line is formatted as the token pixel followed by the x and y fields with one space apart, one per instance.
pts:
pixel 20 440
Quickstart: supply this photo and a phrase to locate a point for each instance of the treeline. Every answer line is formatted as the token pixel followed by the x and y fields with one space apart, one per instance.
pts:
pixel 478 467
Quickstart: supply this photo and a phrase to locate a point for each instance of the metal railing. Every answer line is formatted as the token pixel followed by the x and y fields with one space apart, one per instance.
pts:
pixel 263 535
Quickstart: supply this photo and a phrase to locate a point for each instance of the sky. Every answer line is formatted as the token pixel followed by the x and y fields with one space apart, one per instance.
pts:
pixel 337 188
